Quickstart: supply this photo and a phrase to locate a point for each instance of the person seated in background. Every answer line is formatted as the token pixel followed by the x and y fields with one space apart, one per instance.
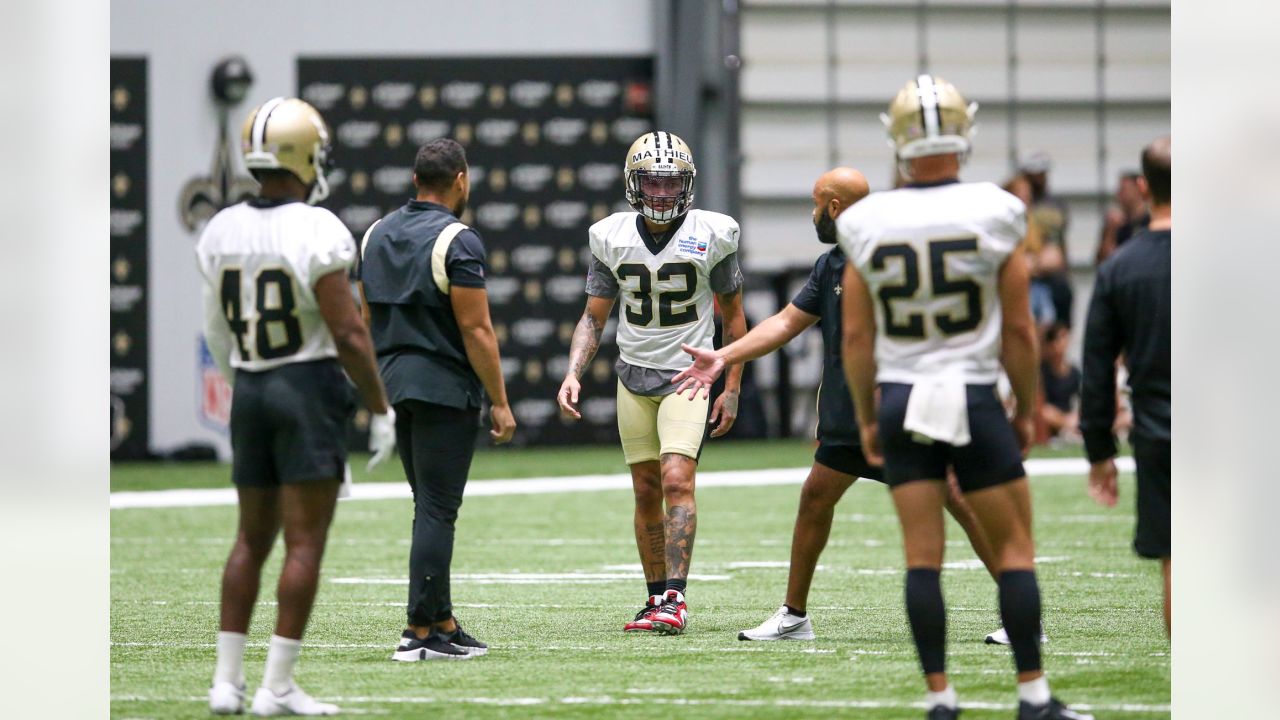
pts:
pixel 1050 216
pixel 1128 216
pixel 1060 383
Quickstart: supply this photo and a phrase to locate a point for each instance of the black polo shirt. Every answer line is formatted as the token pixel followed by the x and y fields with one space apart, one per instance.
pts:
pixel 420 351
pixel 1130 314
pixel 837 423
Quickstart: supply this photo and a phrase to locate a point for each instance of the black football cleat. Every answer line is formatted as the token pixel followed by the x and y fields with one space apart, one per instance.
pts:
pixel 1054 710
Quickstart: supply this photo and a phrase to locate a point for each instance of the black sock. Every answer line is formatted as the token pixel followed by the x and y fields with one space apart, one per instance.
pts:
pixel 1020 610
pixel 793 611
pixel 928 616
pixel 677 584
pixel 657 587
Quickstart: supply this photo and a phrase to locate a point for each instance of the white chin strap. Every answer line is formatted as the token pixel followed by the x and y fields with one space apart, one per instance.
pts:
pixel 319 189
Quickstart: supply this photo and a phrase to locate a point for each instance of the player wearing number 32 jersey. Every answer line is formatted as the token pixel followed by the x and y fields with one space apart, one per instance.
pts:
pixel 668 264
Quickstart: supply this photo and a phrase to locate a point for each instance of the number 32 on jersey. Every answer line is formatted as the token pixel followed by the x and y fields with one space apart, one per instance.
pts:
pixel 674 303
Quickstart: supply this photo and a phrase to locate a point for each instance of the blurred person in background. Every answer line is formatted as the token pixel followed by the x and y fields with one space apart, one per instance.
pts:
pixel 282 326
pixel 1127 216
pixel 1050 216
pixel 935 301
pixel 669 263
pixel 422 279
pixel 838 461
pixel 1130 315
pixel 1060 384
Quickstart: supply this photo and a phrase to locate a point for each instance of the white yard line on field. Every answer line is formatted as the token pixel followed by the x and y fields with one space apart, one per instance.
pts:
pixel 537 486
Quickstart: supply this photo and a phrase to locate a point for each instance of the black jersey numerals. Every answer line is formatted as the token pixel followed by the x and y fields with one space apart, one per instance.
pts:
pixel 273 290
pixel 670 312
pixel 912 325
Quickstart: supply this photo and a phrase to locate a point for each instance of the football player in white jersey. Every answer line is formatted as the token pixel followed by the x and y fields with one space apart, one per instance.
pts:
pixel 935 301
pixel 281 323
pixel 670 263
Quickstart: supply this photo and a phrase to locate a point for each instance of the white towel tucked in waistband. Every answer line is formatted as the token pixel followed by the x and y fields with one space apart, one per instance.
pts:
pixel 937 409
pixel 344 490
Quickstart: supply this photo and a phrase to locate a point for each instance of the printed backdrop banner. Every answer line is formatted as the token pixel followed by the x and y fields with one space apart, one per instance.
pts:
pixel 546 139
pixel 129 352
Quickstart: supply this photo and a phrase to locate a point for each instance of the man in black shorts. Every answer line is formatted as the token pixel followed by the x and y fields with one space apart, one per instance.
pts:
pixel 838 461
pixel 1130 315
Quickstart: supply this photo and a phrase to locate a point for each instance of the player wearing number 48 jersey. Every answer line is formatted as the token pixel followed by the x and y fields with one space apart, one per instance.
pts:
pixel 935 300
pixel 282 325
pixel 668 263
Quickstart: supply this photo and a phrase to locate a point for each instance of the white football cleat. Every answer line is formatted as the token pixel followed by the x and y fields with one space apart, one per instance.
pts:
pixel 226 698
pixel 1000 637
pixel 294 702
pixel 781 625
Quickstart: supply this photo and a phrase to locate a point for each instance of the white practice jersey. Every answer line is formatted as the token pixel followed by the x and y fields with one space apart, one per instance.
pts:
pixel 666 296
pixel 260 265
pixel 931 257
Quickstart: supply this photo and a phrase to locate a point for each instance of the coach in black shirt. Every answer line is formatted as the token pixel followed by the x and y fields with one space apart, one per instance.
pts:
pixel 422 280
pixel 1129 315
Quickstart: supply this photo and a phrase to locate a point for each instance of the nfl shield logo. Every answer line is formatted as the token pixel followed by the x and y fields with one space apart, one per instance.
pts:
pixel 215 392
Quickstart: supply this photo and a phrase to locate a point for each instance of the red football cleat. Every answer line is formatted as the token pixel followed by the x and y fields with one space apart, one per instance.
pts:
pixel 672 617
pixel 644 618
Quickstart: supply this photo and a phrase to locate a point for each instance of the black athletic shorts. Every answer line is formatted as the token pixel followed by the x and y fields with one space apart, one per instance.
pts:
pixel 289 424
pixel 991 458
pixel 1151 536
pixel 847 459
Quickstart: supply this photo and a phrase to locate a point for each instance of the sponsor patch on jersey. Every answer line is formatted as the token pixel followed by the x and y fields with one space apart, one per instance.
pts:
pixel 691 247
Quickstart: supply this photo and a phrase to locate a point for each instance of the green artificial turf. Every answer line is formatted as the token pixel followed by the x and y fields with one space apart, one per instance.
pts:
pixel 557 645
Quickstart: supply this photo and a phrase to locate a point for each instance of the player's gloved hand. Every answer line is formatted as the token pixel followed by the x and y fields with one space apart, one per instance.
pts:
pixel 707 366
pixel 382 437
pixel 568 398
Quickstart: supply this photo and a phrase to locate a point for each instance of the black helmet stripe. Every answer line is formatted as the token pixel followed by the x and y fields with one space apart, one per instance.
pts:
pixel 259 132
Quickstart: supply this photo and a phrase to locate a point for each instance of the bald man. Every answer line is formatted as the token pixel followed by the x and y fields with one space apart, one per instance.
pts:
pixel 838 461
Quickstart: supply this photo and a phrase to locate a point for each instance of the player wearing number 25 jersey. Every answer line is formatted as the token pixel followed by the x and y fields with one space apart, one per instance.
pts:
pixel 281 323
pixel 668 264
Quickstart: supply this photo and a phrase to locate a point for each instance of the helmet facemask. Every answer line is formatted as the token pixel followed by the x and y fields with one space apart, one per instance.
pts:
pixel 661 195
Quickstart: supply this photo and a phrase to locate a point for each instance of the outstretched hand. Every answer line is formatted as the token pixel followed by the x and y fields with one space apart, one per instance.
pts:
pixel 707 366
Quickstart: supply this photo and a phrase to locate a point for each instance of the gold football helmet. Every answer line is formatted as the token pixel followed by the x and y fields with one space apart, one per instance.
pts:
pixel 659 176
pixel 929 117
pixel 288 134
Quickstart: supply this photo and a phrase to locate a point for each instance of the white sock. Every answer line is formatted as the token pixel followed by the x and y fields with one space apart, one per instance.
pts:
pixel 945 698
pixel 230 667
pixel 1035 692
pixel 282 655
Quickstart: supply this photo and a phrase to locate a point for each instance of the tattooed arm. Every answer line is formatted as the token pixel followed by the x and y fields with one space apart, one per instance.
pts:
pixel 586 340
pixel 734 326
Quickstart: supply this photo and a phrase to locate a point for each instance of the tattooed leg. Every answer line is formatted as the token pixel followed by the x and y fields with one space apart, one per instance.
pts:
pixel 682 513
pixel 646 482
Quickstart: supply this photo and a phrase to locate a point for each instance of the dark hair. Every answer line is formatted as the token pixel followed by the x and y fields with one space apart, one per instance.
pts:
pixel 438 163
pixel 1054 331
pixel 1157 159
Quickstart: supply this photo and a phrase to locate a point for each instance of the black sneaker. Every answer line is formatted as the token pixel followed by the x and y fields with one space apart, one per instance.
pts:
pixel 942 712
pixel 435 646
pixel 1054 710
pixel 463 640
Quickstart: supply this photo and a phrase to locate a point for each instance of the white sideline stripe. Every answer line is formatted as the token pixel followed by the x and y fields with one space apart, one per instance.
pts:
pixel 541 485
pixel 518 578
pixel 608 700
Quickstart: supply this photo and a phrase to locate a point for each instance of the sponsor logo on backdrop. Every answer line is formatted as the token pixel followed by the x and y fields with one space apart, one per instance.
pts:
pixel 394 135
pixel 558 366
pixel 600 370
pixel 532 217
pixel 627 129
pixel 215 393
pixel 323 95
pixel 462 95
pixel 124 222
pixel 120 185
pixel 119 98
pixel 531 259
pixel 359 181
pixel 497 96
pixel 600 410
pixel 564 178
pixel 510 367
pixel 428 96
pixel 600 176
pixel 498 260
pixel 358 97
pixel 463 133
pixel 531 178
pixel 358 133
pixel 121 425
pixel 497 132
pixel 565 288
pixel 120 269
pixel 392 179
pixel 599 93
pixel 358 218
pixel 530 93
pixel 565 214
pixel 565 259
pixel 565 333
pixel 125 297
pixel 392 95
pixel 125 381
pixel 530 133
pixel 533 413
pixel 500 332
pixel 498 180
pixel 501 289
pixel 532 371
pixel 477 173
pixel 564 94
pixel 599 132
pixel 533 292
pixel 423 131
pixel 564 131
pixel 497 216
pixel 124 135
pixel 599 211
